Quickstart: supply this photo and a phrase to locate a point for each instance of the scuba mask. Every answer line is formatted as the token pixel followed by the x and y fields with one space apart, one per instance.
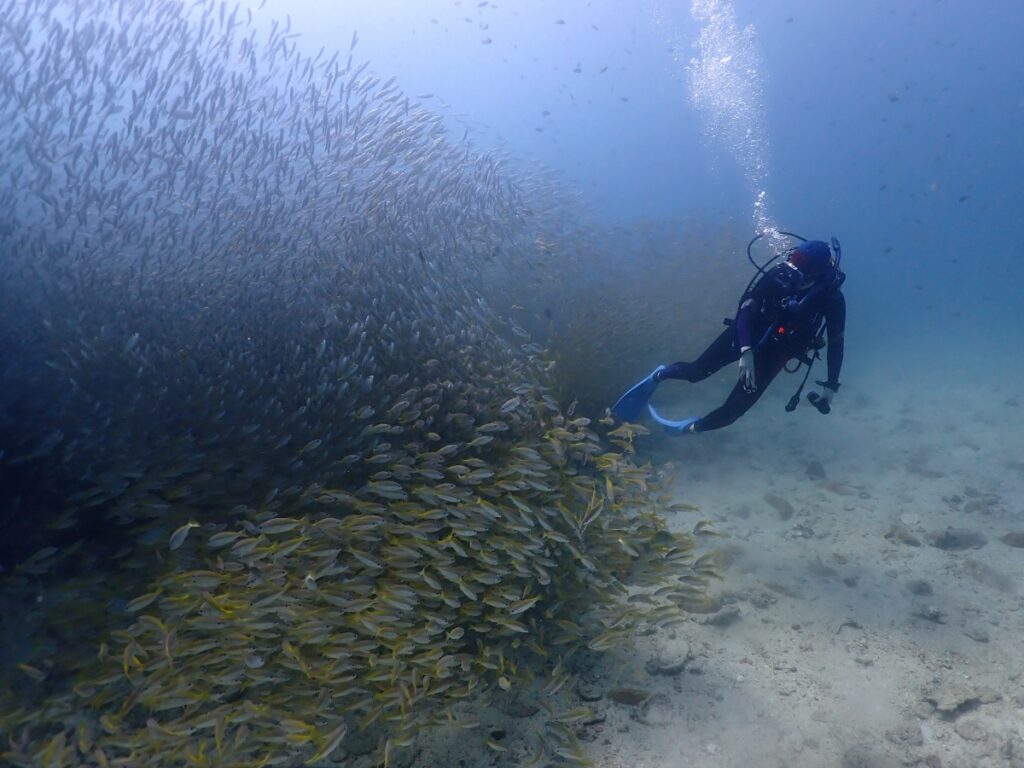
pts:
pixel 812 266
pixel 815 268
pixel 813 261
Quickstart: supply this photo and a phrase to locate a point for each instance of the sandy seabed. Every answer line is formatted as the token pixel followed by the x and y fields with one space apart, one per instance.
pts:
pixel 870 611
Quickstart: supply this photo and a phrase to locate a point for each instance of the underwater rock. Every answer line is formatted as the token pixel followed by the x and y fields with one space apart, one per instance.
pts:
pixel 920 469
pixel 728 554
pixel 815 470
pixel 929 613
pixel 852 623
pixel 985 505
pixel 901 533
pixel 630 697
pixel 1013 539
pixel 669 665
pixel 908 734
pixel 919 587
pixel 761 599
pixel 710 604
pixel 1013 752
pixel 404 757
pixel 956 539
pixel 841 488
pixel 970 730
pixel 819 570
pixel 950 700
pixel 784 590
pixel 780 505
pixel 977 633
pixel 983 573
pixel 724 618
pixel 801 531
pixel 589 690
pixel 363 742
pixel 864 756
pixel 517 707
pixel 656 710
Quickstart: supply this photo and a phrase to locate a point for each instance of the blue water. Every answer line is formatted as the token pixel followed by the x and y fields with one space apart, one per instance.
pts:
pixel 892 125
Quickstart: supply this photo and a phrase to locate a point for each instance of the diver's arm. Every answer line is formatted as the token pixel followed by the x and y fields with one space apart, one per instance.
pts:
pixel 744 324
pixel 835 322
pixel 750 305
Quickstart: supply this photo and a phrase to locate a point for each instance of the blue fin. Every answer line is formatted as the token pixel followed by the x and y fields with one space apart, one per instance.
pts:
pixel 675 427
pixel 631 404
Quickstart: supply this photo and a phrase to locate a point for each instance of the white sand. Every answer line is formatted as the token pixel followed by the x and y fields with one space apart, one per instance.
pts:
pixel 833 659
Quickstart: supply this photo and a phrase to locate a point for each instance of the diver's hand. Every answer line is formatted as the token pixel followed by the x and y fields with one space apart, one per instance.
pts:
pixel 747 378
pixel 822 400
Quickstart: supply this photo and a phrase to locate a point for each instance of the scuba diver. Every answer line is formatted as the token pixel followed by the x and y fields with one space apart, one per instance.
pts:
pixel 784 314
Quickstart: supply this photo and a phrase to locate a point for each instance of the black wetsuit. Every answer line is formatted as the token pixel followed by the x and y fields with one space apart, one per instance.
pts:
pixel 778 319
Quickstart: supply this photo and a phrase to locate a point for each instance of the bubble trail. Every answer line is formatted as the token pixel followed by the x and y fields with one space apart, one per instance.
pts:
pixel 726 87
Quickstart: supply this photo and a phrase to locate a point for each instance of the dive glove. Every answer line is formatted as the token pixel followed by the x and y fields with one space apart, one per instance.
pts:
pixel 823 400
pixel 747 378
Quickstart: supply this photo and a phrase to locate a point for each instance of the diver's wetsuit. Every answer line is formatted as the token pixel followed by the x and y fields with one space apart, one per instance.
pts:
pixel 777 331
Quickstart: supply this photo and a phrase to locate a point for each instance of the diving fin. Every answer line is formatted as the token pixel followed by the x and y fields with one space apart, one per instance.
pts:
pixel 631 404
pixel 675 427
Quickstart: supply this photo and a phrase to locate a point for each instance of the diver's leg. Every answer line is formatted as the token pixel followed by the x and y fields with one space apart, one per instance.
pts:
pixel 766 368
pixel 719 353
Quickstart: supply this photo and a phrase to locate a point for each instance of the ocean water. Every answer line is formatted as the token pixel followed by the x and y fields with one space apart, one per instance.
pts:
pixel 310 315
pixel 888 125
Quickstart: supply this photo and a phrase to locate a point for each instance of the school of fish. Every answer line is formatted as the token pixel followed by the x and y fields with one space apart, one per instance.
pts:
pixel 300 478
